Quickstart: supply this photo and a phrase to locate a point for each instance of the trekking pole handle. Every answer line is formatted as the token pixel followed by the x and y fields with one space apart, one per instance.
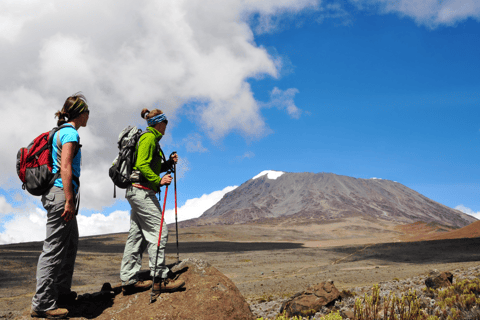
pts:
pixel 170 157
pixel 166 174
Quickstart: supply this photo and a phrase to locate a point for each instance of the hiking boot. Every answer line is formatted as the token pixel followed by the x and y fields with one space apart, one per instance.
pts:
pixel 168 285
pixel 174 275
pixel 58 313
pixel 139 286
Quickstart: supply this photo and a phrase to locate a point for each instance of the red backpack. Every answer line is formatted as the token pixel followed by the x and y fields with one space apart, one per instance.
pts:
pixel 35 164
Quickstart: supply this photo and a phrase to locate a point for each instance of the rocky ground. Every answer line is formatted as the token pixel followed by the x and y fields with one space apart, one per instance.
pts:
pixel 266 264
pixel 270 308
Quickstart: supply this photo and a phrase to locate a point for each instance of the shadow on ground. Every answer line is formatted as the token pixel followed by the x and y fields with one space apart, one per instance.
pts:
pixel 96 246
pixel 437 251
pixel 91 305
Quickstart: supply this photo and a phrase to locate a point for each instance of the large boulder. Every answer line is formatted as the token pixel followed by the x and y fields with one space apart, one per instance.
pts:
pixel 310 301
pixel 437 279
pixel 208 294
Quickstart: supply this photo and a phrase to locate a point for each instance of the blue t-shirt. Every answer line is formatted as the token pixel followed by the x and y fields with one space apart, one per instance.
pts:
pixel 68 134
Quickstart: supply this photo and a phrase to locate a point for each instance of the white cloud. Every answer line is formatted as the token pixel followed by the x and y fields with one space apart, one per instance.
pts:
pixel 193 143
pixel 431 13
pixel 25 228
pixel 5 207
pixel 468 211
pixel 31 226
pixel 14 14
pixel 246 155
pixel 124 56
pixel 284 100
pixel 335 11
pixel 98 223
pixel 270 17
pixel 194 208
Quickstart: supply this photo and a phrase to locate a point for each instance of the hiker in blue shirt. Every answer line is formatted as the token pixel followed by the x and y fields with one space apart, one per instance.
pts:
pixel 57 260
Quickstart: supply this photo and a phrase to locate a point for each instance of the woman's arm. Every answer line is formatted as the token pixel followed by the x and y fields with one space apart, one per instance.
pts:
pixel 146 149
pixel 68 151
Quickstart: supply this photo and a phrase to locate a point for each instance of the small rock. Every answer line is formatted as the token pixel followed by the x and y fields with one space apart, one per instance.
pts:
pixel 347 314
pixel 312 300
pixel 439 280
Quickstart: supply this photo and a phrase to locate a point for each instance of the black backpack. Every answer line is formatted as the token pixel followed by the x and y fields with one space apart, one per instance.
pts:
pixel 121 170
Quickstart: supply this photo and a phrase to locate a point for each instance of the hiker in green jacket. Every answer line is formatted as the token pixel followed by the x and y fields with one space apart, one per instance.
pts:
pixel 146 212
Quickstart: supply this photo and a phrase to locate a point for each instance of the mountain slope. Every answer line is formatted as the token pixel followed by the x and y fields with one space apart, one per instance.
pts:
pixel 470 231
pixel 327 196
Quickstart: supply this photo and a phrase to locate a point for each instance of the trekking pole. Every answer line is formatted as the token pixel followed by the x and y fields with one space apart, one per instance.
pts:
pixel 158 244
pixel 176 221
pixel 175 189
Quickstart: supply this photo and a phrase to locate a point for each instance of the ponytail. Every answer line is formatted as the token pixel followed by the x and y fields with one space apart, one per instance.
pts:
pixel 144 113
pixel 62 118
pixel 147 114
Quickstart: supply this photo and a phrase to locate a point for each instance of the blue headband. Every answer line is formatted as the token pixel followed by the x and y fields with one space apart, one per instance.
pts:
pixel 157 119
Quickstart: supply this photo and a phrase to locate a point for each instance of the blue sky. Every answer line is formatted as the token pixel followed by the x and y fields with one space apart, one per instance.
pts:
pixel 361 88
pixel 380 97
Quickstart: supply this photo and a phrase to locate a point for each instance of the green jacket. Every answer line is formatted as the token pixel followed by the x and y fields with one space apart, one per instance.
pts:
pixel 149 159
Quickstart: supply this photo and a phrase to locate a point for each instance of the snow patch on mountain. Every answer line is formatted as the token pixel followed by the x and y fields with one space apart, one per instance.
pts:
pixel 271 174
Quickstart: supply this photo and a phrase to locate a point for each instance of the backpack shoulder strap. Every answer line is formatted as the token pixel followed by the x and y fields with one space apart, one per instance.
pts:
pixel 59 148
pixel 161 152
pixel 59 144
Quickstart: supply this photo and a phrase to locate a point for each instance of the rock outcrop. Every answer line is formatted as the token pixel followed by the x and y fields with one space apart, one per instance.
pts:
pixel 207 295
pixel 310 301
pixel 437 279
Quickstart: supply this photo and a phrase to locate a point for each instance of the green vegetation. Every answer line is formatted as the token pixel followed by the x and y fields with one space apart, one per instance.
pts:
pixel 406 307
pixel 334 315
pixel 281 317
pixel 459 301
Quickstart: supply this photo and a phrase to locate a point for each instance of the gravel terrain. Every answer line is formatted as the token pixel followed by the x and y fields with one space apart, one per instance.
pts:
pixel 264 263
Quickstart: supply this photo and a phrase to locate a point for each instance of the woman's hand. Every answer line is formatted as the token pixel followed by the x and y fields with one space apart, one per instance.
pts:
pixel 69 211
pixel 166 180
pixel 174 157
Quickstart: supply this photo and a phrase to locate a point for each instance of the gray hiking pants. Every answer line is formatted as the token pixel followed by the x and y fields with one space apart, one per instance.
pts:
pixel 145 218
pixel 57 260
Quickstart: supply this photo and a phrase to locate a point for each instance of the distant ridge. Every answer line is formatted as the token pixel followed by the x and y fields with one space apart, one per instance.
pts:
pixel 323 197
pixel 470 231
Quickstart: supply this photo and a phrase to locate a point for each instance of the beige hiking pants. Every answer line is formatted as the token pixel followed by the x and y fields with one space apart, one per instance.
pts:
pixel 145 218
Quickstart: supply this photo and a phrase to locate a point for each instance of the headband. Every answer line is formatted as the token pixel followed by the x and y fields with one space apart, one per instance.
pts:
pixel 77 110
pixel 157 119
